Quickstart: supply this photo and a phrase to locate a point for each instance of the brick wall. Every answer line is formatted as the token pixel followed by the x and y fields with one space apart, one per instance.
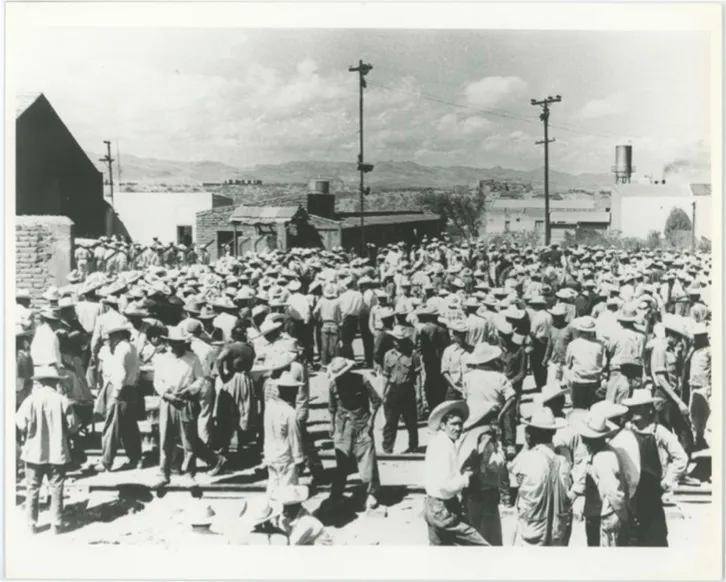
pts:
pixel 43 253
pixel 208 222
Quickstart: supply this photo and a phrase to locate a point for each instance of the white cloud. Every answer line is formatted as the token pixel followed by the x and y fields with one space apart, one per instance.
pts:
pixel 491 91
pixel 600 108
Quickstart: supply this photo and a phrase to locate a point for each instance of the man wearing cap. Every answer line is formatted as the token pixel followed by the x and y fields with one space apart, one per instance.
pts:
pixel 400 370
pixel 45 420
pixel 453 360
pixel 353 404
pixel 119 400
pixel 444 479
pixel 544 512
pixel 663 463
pixel 606 507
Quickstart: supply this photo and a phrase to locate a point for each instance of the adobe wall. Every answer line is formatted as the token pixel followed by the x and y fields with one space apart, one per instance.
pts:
pixel 43 253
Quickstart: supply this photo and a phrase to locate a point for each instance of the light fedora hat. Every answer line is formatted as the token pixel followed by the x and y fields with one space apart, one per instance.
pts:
pixel 287 380
pixel 483 354
pixel 584 323
pixel 627 313
pixel 46 373
pixel 641 397
pixel 339 366
pixel 544 419
pixel 550 392
pixel 116 325
pixel 438 413
pixel 291 494
pixel 608 409
pixel 177 334
pixel 259 511
pixel 596 426
pixel 398 332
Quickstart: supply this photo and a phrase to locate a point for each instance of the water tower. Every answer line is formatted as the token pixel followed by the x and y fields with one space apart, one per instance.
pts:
pixel 623 168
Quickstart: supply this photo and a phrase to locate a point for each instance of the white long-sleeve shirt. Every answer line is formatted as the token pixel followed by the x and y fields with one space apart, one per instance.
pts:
pixel 283 443
pixel 299 307
pixel 45 347
pixel 443 479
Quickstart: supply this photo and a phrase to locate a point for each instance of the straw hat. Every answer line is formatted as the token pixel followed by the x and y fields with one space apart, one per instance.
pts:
pixel 584 323
pixel 259 511
pixel 206 313
pixel 177 334
pixel 291 494
pixel 46 373
pixel 608 409
pixel 550 392
pixel 544 419
pixel 339 366
pixel 74 276
pixel 537 300
pixel 699 329
pixel 457 326
pixel 294 285
pixel 49 313
pixel 117 324
pixel 483 354
pixel 596 426
pixel 641 397
pixel 438 413
pixel 398 332
pixel 268 326
pixel 627 313
pixel 287 380
pixel 503 326
pixel 558 310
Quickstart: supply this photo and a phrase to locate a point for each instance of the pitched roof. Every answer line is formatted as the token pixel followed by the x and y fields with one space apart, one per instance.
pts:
pixel 701 189
pixel 354 221
pixel 23 101
pixel 265 214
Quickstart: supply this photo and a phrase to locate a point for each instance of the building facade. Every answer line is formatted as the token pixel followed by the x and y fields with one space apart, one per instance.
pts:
pixel 53 175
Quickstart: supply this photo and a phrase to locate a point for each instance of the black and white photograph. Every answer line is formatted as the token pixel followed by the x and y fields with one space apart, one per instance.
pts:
pixel 364 283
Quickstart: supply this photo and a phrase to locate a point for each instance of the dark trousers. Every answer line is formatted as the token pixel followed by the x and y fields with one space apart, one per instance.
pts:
pixel 329 344
pixel 434 388
pixel 121 427
pixel 400 401
pixel 592 530
pixel 509 424
pixel 539 366
pixel 310 451
pixel 582 394
pixel 303 333
pixel 348 329
pixel 34 478
pixel 670 417
pixel 446 526
pixel 175 427
pixel 367 337
pixel 482 512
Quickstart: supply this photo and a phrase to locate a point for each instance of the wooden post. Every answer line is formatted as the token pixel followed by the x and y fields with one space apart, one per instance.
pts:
pixel 234 239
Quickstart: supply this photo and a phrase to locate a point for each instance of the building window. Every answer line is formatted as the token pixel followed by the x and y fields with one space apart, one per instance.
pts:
pixel 184 235
pixel 518 220
pixel 265 229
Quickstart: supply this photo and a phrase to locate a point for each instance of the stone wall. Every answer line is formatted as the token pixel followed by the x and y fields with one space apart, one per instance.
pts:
pixel 43 253
pixel 208 222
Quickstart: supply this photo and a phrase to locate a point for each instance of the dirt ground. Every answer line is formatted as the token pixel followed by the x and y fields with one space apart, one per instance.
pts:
pixel 140 517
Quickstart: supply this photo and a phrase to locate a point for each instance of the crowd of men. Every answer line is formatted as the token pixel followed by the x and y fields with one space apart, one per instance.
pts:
pixel 617 344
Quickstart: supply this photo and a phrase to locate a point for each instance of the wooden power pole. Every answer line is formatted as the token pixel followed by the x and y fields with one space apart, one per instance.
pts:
pixel 362 69
pixel 544 117
pixel 108 160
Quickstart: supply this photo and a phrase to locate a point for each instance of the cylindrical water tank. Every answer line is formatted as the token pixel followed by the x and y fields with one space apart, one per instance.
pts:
pixel 624 159
pixel 319 186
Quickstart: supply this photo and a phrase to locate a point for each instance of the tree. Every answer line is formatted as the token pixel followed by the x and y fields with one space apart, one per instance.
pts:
pixel 653 239
pixel 678 228
pixel 460 209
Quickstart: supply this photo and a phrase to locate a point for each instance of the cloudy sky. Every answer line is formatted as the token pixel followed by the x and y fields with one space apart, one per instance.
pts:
pixel 247 97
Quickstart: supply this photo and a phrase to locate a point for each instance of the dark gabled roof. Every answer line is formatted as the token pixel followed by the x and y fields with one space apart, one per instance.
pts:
pixel 266 214
pixel 701 189
pixel 354 221
pixel 23 101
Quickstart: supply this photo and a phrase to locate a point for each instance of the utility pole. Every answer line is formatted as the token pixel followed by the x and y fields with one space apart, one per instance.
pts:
pixel 544 117
pixel 118 164
pixel 108 160
pixel 362 69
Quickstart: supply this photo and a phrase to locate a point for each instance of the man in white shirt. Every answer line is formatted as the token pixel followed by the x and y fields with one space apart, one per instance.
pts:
pixel 45 347
pixel 444 480
pixel 298 308
pixel 351 304
pixel 121 398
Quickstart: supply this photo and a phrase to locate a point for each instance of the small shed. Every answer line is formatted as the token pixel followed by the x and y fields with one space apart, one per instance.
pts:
pixel 267 228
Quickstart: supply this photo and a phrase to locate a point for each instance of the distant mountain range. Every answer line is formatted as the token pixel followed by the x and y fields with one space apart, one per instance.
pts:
pixel 344 174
